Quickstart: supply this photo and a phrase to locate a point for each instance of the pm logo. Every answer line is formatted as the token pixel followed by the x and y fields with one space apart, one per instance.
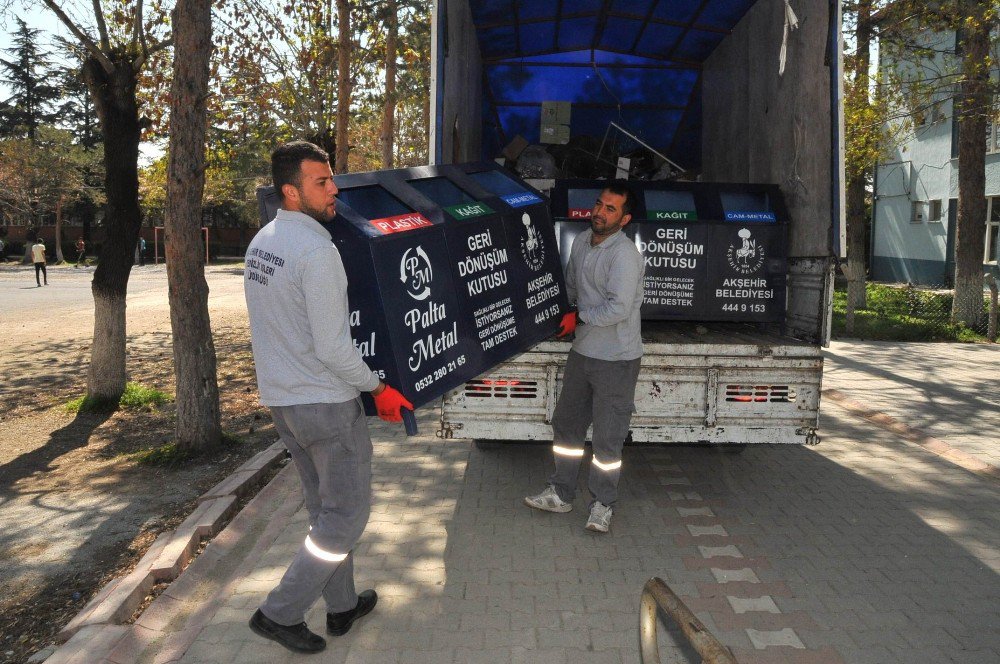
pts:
pixel 748 257
pixel 416 273
pixel 532 246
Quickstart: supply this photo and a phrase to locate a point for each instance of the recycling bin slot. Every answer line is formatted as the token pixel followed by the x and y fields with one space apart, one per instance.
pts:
pixel 747 206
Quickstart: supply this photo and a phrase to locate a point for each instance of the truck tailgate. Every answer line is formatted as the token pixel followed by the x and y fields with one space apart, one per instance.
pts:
pixel 699 383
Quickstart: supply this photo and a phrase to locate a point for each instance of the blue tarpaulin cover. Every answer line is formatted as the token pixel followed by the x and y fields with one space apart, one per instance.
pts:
pixel 633 62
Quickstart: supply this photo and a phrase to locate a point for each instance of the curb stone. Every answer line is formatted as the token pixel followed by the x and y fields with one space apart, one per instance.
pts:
pixel 115 603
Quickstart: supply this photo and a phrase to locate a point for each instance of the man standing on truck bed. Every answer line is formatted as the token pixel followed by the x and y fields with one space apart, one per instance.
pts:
pixel 311 375
pixel 604 278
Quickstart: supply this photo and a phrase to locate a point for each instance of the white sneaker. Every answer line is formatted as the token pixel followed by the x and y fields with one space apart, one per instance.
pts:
pixel 600 517
pixel 548 500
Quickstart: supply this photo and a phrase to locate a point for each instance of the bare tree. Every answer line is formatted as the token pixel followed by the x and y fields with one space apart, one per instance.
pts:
pixel 197 425
pixel 115 58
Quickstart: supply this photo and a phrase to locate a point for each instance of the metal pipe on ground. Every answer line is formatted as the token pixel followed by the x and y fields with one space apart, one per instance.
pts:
pixel 656 594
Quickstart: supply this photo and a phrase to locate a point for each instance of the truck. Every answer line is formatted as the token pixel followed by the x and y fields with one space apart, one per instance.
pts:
pixel 735 91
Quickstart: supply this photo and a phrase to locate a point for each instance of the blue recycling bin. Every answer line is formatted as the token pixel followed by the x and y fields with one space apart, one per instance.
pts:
pixel 446 280
pixel 712 251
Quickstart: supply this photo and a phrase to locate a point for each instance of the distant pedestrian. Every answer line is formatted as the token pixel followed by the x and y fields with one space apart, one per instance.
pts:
pixel 81 251
pixel 142 251
pixel 3 250
pixel 38 257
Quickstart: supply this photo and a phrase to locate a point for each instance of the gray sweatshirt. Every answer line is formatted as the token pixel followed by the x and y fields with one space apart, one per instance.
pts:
pixel 296 292
pixel 606 283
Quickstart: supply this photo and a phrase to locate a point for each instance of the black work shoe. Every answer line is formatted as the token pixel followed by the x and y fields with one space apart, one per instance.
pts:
pixel 338 623
pixel 294 637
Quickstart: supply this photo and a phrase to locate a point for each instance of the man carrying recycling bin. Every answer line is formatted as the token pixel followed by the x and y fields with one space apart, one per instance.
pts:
pixel 311 376
pixel 604 278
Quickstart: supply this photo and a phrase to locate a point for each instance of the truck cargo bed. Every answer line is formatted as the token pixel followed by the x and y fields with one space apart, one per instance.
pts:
pixel 700 382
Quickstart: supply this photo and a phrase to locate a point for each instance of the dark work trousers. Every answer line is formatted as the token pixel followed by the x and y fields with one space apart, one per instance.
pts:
pixel 40 267
pixel 330 446
pixel 601 392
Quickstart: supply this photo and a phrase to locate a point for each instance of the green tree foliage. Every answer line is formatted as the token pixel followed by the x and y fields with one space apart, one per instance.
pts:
pixel 27 73
pixel 412 92
pixel 279 74
pixel 75 107
pixel 232 175
pixel 38 174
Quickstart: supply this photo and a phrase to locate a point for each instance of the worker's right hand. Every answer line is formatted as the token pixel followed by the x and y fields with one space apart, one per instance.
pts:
pixel 388 403
pixel 567 325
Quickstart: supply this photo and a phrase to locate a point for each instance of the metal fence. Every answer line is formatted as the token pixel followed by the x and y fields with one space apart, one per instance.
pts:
pixel 906 312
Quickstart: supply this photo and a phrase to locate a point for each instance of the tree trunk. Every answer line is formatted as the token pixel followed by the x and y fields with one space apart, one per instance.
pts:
pixel 106 376
pixel 59 254
pixel 197 425
pixel 856 269
pixel 389 110
pixel 115 102
pixel 343 84
pixel 974 100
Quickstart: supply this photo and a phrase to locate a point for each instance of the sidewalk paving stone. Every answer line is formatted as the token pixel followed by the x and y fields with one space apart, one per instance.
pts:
pixel 865 548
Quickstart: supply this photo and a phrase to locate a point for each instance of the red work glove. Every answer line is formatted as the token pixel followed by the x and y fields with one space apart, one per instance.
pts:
pixel 567 325
pixel 388 403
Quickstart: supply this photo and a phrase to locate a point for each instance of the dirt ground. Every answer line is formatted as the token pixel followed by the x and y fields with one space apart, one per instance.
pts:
pixel 76 508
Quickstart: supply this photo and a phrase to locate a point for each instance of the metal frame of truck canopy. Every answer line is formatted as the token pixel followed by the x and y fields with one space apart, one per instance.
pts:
pixel 698 80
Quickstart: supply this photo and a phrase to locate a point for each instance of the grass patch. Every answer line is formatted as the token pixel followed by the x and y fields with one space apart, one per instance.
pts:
pixel 170 454
pixel 135 397
pixel 894 313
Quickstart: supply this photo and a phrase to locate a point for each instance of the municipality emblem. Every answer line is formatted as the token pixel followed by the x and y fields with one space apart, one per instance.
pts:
pixel 748 257
pixel 532 247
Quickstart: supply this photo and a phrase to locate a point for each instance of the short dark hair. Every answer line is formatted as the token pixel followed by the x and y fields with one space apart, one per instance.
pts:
pixel 286 162
pixel 621 188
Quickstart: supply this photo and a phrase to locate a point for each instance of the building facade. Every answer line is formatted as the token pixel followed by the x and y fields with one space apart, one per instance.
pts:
pixel 916 194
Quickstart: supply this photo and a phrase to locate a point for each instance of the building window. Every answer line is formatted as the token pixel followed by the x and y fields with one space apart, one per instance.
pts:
pixel 934 210
pixel 918 212
pixel 992 229
pixel 992 136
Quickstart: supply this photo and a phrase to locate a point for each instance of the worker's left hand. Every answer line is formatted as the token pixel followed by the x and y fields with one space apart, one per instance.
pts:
pixel 389 402
pixel 567 325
